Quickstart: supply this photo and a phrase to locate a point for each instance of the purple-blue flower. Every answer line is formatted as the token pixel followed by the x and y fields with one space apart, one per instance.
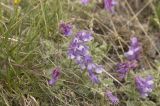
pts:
pixel 144 86
pixel 124 67
pixel 84 36
pixel 65 29
pixel 79 52
pixel 99 68
pixel 93 77
pixel 85 2
pixel 134 50
pixel 113 99
pixel 109 5
pixel 55 75
pixel 78 49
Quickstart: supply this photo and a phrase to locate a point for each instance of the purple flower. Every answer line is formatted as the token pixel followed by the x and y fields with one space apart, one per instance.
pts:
pixel 134 50
pixel 55 76
pixel 123 68
pixel 84 36
pixel 99 69
pixel 134 42
pixel 93 77
pixel 113 99
pixel 109 5
pixel 79 52
pixel 65 29
pixel 144 86
pixel 85 2
pixel 78 49
pixel 85 62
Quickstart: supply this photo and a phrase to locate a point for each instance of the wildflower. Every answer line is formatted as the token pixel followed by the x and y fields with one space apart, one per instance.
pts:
pixel 85 62
pixel 66 29
pixel 84 36
pixel 55 76
pixel 109 5
pixel 134 50
pixel 79 51
pixel 113 99
pixel 144 86
pixel 85 2
pixel 123 68
pixel 93 77
pixel 99 69
pixel 17 1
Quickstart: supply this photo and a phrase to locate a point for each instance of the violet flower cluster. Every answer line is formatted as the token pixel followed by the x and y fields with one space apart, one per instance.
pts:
pixel 134 50
pixel 65 29
pixel 113 99
pixel 79 51
pixel 144 86
pixel 109 5
pixel 132 59
pixel 55 75
pixel 123 68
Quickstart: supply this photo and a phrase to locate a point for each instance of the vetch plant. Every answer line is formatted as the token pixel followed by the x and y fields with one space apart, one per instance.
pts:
pixel 113 99
pixel 144 85
pixel 132 55
pixel 109 5
pixel 65 29
pixel 123 68
pixel 38 46
pixel 55 75
pixel 134 50
pixel 79 51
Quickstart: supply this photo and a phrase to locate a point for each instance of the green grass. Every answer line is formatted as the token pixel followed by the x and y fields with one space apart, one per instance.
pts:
pixel 31 47
pixel 24 67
